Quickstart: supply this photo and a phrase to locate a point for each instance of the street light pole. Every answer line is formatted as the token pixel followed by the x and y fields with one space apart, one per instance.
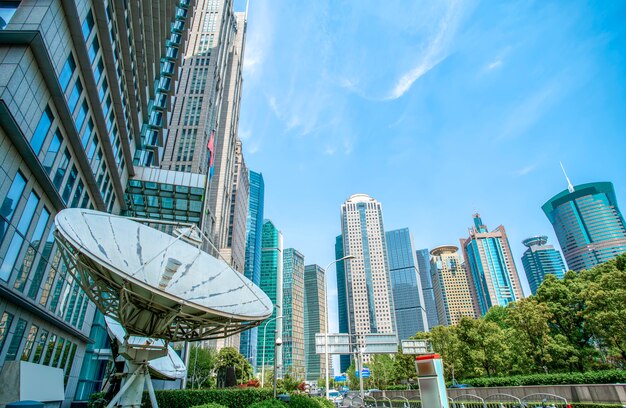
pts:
pixel 327 322
pixel 263 359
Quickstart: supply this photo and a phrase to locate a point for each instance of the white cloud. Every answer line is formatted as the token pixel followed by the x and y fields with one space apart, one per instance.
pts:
pixel 525 170
pixel 259 37
pixel 437 49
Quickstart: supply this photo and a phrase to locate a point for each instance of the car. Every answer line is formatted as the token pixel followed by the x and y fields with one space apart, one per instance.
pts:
pixel 334 395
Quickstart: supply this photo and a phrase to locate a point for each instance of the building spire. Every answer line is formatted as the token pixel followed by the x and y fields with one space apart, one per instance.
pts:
pixel 570 187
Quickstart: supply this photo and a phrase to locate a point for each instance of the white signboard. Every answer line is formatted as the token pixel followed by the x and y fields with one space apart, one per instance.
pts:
pixel 338 343
pixel 381 343
pixel 416 346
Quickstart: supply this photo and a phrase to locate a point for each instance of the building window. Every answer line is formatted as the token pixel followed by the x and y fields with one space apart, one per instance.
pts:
pixel 30 340
pixel 88 25
pixel 10 202
pixel 42 130
pixel 93 50
pixel 16 341
pixel 66 72
pixel 5 324
pixel 18 238
pixel 53 150
pixel 74 96
pixel 82 114
pixel 62 169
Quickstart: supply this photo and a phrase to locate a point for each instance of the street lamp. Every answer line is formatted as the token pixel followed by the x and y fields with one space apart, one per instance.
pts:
pixel 327 323
pixel 263 359
pixel 277 344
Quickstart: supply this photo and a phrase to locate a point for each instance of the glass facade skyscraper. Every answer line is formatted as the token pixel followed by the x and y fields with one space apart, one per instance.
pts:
pixel 406 284
pixel 293 312
pixel 252 270
pixel 588 224
pixel 451 285
pixel 491 270
pixel 423 266
pixel 314 319
pixel 272 284
pixel 342 300
pixel 540 260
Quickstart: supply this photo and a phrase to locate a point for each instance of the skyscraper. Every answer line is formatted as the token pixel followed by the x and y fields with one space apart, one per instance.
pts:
pixel 423 266
pixel 252 265
pixel 370 300
pixel 314 319
pixel 272 284
pixel 491 270
pixel 342 300
pixel 293 312
pixel 451 286
pixel 588 224
pixel 540 260
pixel 85 88
pixel 406 284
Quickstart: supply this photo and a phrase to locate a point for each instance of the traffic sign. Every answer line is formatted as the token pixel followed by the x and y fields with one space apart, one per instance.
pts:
pixel 340 378
pixel 365 371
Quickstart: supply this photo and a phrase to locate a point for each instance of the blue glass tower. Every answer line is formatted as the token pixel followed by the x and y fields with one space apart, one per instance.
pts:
pixel 540 260
pixel 588 224
pixel 252 269
pixel 491 270
pixel 342 300
pixel 406 285
pixel 423 266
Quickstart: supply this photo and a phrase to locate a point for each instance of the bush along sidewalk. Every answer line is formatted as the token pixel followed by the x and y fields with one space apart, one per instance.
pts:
pixel 589 377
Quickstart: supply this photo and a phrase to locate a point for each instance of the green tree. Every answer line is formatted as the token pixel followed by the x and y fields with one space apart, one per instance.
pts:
pixel 201 368
pixel 446 342
pixel 484 346
pixel 382 370
pixel 231 357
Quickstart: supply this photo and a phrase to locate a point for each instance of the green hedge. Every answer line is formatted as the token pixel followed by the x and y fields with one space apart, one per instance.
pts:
pixel 589 377
pixel 416 404
pixel 229 397
pixel 210 405
pixel 304 401
pixel 271 403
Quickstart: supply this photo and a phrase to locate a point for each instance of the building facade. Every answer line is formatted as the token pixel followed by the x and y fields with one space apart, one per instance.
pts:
pixel 293 312
pixel 406 284
pixel 82 83
pixel 252 265
pixel 423 266
pixel 315 319
pixel 540 260
pixel 491 269
pixel 272 284
pixel 588 224
pixel 369 290
pixel 342 299
pixel 450 285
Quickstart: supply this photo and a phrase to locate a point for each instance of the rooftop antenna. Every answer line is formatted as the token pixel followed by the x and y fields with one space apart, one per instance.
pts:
pixel 247 4
pixel 570 187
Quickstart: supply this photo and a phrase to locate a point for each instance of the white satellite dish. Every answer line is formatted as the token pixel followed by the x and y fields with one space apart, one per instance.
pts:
pixel 157 287
pixel 169 367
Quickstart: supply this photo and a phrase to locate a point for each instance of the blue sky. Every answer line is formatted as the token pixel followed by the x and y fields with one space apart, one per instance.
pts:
pixel 436 109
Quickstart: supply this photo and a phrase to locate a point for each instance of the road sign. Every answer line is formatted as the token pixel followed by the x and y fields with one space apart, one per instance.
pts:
pixel 381 343
pixel 416 346
pixel 338 343
pixel 365 371
pixel 340 378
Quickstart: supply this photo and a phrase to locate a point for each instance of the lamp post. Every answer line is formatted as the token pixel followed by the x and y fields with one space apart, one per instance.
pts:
pixel 277 344
pixel 327 323
pixel 263 359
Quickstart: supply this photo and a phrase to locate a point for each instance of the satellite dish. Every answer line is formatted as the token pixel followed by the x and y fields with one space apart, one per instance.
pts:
pixel 169 367
pixel 157 287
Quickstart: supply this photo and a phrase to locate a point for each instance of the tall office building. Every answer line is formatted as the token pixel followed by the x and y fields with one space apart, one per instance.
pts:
pixel 314 319
pixel 423 266
pixel 293 312
pixel 370 301
pixel 85 88
pixel 252 265
pixel 406 284
pixel 342 299
pixel 540 260
pixel 272 284
pixel 588 224
pixel 490 267
pixel 451 285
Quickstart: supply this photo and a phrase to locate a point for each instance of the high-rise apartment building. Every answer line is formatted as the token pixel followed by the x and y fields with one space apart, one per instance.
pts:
pixel 252 265
pixel 293 312
pixel 272 284
pixel 588 224
pixel 314 319
pixel 406 284
pixel 540 260
pixel 342 299
pixel 370 304
pixel 84 95
pixel 491 270
pixel 423 266
pixel 451 285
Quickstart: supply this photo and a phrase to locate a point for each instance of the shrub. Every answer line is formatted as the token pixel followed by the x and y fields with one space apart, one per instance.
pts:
pixel 270 403
pixel 589 377
pixel 304 401
pixel 229 397
pixel 323 402
pixel 210 405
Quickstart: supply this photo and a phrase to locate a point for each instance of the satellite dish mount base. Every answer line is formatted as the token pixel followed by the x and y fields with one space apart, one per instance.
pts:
pixel 138 376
